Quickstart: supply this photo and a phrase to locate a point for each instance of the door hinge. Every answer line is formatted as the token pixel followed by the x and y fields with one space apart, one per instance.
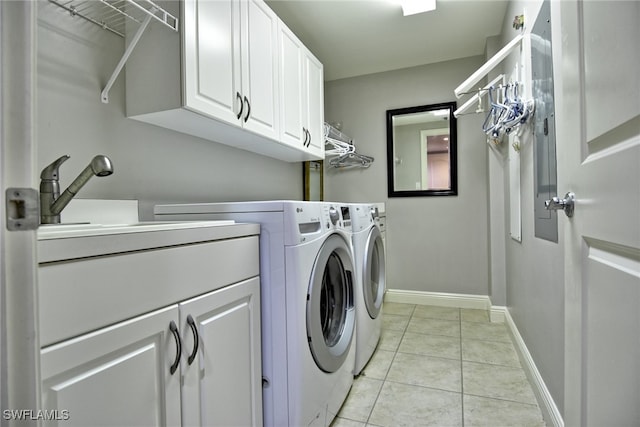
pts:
pixel 23 209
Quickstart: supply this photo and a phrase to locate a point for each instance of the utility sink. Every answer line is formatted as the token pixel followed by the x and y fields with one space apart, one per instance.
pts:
pixel 60 231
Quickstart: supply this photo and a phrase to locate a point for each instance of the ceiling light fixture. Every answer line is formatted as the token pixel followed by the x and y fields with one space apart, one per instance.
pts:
pixel 412 7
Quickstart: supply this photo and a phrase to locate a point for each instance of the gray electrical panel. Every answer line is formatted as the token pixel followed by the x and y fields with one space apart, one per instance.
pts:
pixel 544 152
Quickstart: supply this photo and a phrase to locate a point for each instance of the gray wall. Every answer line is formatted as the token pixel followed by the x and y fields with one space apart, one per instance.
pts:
pixel 75 59
pixel 534 267
pixel 434 244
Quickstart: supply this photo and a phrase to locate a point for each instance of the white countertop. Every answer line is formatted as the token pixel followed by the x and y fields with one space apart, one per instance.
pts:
pixel 65 242
pixel 61 231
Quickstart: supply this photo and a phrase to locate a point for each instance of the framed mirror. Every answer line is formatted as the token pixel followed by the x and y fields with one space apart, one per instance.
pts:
pixel 421 151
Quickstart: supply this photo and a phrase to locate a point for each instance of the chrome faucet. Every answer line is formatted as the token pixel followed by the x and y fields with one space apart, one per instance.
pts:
pixel 51 202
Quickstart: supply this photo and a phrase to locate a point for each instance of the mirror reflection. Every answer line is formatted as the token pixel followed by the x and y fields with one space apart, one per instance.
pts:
pixel 421 151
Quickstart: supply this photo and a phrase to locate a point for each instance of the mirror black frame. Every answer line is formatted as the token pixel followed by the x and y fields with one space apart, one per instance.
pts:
pixel 453 151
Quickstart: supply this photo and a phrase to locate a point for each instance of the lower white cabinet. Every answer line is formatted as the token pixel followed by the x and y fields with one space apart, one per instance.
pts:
pixel 129 374
pixel 155 329
pixel 118 375
pixel 222 385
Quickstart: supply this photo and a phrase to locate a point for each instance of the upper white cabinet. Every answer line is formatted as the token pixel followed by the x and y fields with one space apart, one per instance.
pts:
pixel 219 79
pixel 231 68
pixel 302 94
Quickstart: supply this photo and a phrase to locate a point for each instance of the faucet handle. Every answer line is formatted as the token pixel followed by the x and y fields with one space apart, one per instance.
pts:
pixel 50 173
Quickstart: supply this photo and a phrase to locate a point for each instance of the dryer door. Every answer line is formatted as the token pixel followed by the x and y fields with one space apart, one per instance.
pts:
pixel 330 309
pixel 374 273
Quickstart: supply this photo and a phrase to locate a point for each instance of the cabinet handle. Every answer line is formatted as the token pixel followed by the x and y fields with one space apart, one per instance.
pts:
pixel 309 140
pixel 306 135
pixel 176 335
pixel 241 105
pixel 196 339
pixel 248 109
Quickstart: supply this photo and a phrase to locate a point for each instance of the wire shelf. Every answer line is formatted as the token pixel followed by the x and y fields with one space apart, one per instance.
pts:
pixel 112 15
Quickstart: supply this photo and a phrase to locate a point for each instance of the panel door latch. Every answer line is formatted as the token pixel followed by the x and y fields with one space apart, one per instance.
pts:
pixel 566 204
pixel 22 209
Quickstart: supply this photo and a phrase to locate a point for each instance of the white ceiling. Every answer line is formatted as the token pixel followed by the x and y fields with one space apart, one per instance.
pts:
pixel 357 37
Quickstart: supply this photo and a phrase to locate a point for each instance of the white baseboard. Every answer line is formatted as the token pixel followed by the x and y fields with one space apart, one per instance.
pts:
pixel 497 314
pixel 481 302
pixel 548 406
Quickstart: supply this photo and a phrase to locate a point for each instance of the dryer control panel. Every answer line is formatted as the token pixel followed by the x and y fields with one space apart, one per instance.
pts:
pixel 363 216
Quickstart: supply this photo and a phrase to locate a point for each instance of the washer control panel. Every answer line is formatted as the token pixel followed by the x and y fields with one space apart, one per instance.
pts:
pixel 337 216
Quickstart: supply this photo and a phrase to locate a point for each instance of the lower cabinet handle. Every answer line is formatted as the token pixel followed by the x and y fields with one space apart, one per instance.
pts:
pixel 248 109
pixel 241 105
pixel 196 339
pixel 174 330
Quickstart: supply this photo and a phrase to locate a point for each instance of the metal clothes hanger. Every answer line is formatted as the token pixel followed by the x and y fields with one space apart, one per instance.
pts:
pixel 351 160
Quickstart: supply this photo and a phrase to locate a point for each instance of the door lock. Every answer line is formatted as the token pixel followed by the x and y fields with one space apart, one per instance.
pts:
pixel 566 204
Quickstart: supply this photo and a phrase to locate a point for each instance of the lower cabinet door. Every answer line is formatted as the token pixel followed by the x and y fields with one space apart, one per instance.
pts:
pixel 117 376
pixel 222 385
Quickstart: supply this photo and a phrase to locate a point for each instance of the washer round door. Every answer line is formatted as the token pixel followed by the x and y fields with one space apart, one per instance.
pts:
pixel 330 309
pixel 374 273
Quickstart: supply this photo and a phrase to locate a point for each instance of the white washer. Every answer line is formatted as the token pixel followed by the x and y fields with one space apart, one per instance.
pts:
pixel 369 257
pixel 307 301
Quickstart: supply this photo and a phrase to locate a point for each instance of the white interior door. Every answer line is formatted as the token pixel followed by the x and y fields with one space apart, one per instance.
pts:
pixel 598 122
pixel 18 299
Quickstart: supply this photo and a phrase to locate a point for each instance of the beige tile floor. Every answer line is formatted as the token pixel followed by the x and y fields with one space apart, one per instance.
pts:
pixel 440 366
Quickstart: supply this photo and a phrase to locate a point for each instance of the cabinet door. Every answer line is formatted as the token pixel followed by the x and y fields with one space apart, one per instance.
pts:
pixel 223 384
pixel 302 95
pixel 212 60
pixel 118 376
pixel 292 131
pixel 314 103
pixel 260 68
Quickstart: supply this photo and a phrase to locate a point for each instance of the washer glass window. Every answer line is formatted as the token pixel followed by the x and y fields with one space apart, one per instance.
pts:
pixel 374 273
pixel 333 298
pixel 330 310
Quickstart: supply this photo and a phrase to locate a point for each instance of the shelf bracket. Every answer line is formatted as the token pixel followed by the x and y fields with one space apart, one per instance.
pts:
pixel 104 96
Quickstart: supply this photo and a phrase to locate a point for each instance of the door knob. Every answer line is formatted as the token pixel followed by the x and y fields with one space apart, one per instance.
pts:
pixel 565 204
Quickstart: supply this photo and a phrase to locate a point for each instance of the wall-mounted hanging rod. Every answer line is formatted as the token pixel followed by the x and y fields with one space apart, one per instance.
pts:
pixel 477 97
pixel 486 68
pixel 340 145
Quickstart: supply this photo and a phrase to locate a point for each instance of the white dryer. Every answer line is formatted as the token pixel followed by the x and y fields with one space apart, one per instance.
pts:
pixel 369 257
pixel 307 301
